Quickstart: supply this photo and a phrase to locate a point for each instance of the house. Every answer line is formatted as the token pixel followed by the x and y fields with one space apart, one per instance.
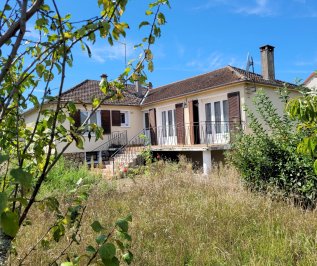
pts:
pixel 196 116
pixel 311 81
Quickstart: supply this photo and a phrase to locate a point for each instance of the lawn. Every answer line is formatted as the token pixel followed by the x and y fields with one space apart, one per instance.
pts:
pixel 184 218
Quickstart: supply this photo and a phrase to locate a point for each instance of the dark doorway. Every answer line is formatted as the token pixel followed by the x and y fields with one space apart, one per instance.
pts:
pixel 196 121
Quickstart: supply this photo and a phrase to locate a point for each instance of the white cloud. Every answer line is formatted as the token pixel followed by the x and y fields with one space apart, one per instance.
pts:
pixel 118 51
pixel 212 61
pixel 254 7
pixel 260 7
pixel 31 32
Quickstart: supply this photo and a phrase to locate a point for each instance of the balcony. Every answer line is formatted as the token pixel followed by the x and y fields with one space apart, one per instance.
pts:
pixel 198 136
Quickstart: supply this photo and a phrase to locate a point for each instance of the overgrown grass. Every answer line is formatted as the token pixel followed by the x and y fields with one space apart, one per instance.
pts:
pixel 184 218
pixel 64 177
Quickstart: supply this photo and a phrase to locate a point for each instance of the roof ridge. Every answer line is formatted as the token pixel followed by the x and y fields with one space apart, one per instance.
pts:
pixel 175 82
pixel 314 74
pixel 240 75
pixel 75 87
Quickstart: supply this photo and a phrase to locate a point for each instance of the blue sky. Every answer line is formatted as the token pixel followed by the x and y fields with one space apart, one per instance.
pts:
pixel 201 36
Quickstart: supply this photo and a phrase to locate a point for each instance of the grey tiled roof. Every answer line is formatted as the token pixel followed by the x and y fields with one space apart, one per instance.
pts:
pixel 89 89
pixel 217 78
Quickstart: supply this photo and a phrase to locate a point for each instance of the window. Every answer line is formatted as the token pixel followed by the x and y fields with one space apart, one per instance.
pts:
pixel 208 118
pixel 94 118
pixel 124 118
pixel 225 115
pixel 164 123
pixel 217 116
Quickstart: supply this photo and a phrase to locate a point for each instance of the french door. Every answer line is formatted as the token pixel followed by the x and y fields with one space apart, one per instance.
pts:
pixel 217 124
pixel 168 129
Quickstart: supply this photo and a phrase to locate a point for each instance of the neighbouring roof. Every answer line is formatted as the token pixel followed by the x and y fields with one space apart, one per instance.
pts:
pixel 311 76
pixel 89 89
pixel 211 80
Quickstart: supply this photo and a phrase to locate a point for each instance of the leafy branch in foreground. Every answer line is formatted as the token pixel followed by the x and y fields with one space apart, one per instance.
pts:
pixel 304 109
pixel 37 43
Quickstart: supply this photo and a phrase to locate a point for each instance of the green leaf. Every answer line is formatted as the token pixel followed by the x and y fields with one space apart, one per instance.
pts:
pixel 22 177
pixel 52 204
pixel 107 251
pixel 90 249
pixel 123 225
pixel 143 23
pixel 96 226
pixel 128 257
pixel 3 158
pixel 315 167
pixel 40 69
pixel 95 102
pixel 3 201
pixel 67 263
pixel 100 239
pixel 58 232
pixel 112 262
pixel 10 223
pixel 45 244
pixel 148 12
pixel 161 18
pixel 88 50
pixel 129 217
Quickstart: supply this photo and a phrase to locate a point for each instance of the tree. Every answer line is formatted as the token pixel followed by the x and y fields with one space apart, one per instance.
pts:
pixel 304 108
pixel 28 154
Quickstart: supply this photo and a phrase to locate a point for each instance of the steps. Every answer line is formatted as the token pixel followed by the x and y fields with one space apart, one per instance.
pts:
pixel 129 157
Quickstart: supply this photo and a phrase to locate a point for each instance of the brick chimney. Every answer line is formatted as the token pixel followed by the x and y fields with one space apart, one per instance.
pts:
pixel 267 61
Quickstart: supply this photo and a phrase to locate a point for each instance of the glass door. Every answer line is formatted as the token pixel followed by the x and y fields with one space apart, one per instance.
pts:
pixel 217 124
pixel 168 127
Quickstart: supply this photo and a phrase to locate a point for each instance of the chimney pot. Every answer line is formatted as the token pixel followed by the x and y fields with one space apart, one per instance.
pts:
pixel 267 61
pixel 104 76
pixel 150 86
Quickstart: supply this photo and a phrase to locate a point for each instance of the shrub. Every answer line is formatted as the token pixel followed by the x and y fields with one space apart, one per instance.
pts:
pixel 65 175
pixel 267 159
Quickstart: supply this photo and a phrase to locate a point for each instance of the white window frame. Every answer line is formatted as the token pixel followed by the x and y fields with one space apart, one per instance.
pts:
pixel 98 118
pixel 127 118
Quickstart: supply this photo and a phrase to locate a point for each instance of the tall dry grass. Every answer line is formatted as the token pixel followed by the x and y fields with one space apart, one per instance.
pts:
pixel 184 218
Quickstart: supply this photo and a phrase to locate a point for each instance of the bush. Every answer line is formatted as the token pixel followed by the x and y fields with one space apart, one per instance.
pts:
pixel 267 159
pixel 65 176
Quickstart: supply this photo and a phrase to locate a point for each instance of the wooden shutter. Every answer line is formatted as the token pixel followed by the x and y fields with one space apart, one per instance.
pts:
pixel 116 118
pixel 180 124
pixel 76 117
pixel 234 111
pixel 153 128
pixel 234 107
pixel 105 121
pixel 191 122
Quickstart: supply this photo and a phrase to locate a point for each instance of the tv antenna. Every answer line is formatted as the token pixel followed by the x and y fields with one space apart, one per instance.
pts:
pixel 249 63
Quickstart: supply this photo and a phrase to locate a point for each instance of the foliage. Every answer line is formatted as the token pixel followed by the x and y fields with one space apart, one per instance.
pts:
pixel 304 109
pixel 182 218
pixel 267 158
pixel 66 176
pixel 31 62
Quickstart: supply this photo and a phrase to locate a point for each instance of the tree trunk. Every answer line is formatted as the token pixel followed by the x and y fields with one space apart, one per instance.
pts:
pixel 5 243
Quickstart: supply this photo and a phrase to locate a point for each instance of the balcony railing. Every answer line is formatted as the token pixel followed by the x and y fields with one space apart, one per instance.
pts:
pixel 207 133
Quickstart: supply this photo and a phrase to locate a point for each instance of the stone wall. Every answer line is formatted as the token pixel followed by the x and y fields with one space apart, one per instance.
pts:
pixel 76 157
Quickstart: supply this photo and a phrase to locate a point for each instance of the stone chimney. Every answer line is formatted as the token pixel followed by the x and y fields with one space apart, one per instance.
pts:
pixel 267 61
